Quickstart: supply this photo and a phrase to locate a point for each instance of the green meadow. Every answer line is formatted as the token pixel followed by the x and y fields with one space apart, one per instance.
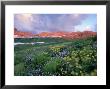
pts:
pixel 55 57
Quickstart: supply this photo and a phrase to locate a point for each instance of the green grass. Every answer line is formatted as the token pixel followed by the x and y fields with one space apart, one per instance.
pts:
pixel 58 57
pixel 52 66
pixel 19 69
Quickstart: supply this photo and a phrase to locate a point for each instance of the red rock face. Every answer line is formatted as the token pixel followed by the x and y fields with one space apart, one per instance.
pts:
pixel 66 35
pixel 18 34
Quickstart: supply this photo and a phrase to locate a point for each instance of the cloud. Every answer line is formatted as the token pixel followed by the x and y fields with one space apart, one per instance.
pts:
pixel 88 28
pixel 37 23
pixel 23 22
pixel 82 28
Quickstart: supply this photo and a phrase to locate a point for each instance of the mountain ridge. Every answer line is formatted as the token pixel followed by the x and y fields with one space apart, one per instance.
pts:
pixel 66 35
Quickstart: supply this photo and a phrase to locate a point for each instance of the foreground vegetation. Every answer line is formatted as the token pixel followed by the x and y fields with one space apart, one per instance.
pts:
pixel 56 57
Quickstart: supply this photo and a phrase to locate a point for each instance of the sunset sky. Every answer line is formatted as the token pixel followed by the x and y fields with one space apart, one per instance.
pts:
pixel 37 23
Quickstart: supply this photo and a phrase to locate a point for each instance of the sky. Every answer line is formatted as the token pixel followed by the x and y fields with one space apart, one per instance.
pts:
pixel 37 23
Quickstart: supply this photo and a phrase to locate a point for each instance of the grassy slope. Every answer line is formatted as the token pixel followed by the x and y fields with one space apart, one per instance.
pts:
pixel 45 59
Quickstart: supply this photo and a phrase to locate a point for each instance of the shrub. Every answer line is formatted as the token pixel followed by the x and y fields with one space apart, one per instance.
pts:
pixel 19 69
